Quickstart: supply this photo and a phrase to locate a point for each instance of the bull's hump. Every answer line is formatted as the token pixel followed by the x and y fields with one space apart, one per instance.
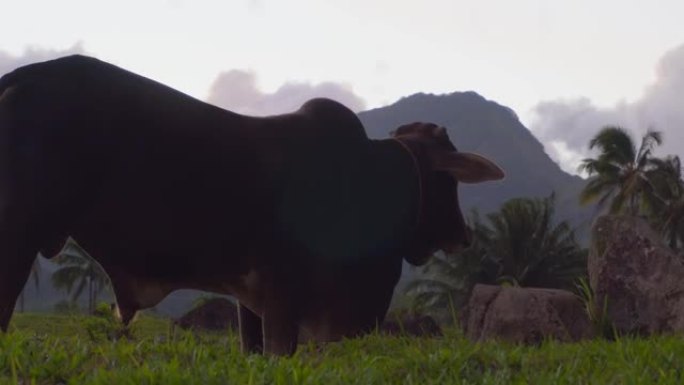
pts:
pixel 63 66
pixel 333 118
pixel 77 60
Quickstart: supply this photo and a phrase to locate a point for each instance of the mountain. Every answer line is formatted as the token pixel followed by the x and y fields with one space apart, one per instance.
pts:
pixel 476 124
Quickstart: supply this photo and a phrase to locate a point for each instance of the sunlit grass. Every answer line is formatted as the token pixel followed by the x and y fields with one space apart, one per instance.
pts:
pixel 56 349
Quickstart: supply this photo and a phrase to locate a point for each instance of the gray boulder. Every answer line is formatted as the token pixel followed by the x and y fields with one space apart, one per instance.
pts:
pixel 641 279
pixel 525 315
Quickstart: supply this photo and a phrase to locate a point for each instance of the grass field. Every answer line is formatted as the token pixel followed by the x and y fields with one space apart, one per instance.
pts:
pixel 55 349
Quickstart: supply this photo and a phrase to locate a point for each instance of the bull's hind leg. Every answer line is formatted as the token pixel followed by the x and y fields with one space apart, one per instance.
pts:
pixel 133 293
pixel 16 258
pixel 251 332
pixel 126 296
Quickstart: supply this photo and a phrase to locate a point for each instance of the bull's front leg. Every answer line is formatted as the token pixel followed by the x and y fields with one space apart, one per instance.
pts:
pixel 280 311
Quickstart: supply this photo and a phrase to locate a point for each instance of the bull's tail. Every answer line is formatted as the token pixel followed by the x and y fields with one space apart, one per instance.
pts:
pixel 7 93
pixel 5 123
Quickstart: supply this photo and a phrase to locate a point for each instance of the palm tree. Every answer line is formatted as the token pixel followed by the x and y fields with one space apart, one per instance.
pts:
pixel 619 173
pixel 521 244
pixel 666 204
pixel 448 277
pixel 35 275
pixel 529 248
pixel 79 272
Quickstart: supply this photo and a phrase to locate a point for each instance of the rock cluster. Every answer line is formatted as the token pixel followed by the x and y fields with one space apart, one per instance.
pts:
pixel 641 279
pixel 525 315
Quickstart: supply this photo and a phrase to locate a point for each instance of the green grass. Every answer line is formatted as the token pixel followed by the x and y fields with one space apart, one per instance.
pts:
pixel 43 349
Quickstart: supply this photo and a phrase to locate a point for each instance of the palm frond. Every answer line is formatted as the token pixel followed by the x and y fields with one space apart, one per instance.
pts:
pixel 596 188
pixel 648 142
pixel 66 277
pixel 615 144
pixel 83 281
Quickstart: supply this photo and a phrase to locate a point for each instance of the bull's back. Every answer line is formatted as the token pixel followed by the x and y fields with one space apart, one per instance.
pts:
pixel 121 160
pixel 165 188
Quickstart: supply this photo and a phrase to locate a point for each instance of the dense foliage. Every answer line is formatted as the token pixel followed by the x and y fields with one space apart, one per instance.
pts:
pixel 522 244
pixel 79 273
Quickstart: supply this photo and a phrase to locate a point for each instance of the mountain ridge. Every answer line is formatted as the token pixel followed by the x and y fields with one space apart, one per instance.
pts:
pixel 476 124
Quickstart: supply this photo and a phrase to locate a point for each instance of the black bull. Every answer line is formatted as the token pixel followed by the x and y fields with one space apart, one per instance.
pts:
pixel 300 216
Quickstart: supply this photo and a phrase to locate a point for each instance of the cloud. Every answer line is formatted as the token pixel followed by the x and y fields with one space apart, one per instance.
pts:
pixel 238 91
pixel 33 55
pixel 566 126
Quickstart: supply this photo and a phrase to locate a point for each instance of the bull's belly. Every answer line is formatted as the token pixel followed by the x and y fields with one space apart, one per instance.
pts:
pixel 147 258
pixel 327 312
pixel 337 313
pixel 333 325
pixel 155 231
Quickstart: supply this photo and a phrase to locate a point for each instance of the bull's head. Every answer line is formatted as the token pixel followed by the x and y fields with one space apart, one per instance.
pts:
pixel 440 167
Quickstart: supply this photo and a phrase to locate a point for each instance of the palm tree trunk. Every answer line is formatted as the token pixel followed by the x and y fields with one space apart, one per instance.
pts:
pixel 96 289
pixel 633 206
pixel 90 294
pixel 672 239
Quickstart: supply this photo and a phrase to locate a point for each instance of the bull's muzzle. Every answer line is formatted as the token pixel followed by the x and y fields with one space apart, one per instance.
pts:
pixel 459 244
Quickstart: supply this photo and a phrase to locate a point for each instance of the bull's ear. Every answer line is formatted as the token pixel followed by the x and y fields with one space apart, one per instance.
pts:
pixel 468 167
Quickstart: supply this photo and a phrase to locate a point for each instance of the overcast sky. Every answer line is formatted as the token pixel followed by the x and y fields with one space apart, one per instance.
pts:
pixel 566 67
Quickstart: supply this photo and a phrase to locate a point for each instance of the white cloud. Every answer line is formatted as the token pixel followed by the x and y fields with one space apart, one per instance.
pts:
pixel 33 55
pixel 566 126
pixel 238 91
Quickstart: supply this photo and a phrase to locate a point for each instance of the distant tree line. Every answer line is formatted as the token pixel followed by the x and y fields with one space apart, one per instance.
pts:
pixel 520 245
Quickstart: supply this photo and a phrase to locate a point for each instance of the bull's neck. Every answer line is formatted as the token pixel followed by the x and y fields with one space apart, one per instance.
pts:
pixel 412 163
pixel 419 173
pixel 400 172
